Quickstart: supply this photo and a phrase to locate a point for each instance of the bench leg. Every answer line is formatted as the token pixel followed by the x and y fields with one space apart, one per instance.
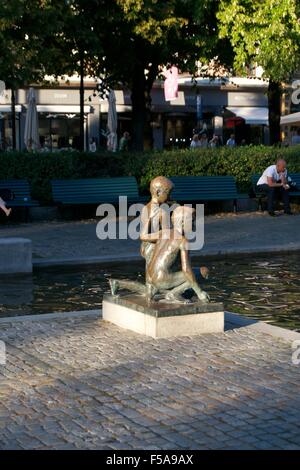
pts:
pixel 26 214
pixel 235 205
pixel 259 203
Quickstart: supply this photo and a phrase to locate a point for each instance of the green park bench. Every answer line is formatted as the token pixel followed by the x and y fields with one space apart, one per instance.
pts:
pixel 205 188
pixel 260 196
pixel 94 190
pixel 21 193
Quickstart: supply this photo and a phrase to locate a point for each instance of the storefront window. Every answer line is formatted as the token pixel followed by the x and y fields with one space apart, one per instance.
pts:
pixel 5 131
pixel 59 131
pixel 177 131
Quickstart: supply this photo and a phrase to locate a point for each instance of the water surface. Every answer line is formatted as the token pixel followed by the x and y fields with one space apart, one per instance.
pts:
pixel 264 288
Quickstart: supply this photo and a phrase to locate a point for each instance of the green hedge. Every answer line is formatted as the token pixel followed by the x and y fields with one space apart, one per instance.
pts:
pixel 40 168
pixel 241 162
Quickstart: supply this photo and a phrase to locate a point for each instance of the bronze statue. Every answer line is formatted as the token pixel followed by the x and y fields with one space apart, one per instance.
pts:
pixel 161 249
pixel 160 189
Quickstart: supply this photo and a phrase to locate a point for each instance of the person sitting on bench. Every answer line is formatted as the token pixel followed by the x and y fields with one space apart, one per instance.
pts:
pixel 274 183
pixel 5 194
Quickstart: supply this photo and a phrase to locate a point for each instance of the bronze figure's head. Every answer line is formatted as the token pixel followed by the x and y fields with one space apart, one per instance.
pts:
pixel 160 189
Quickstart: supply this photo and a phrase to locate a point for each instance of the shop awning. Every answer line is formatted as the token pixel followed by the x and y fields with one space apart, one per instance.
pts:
pixel 252 115
pixel 6 108
pixel 293 118
pixel 121 108
pixel 65 109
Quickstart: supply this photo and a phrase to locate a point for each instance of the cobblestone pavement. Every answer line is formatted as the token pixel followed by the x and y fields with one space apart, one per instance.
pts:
pixel 223 233
pixel 83 383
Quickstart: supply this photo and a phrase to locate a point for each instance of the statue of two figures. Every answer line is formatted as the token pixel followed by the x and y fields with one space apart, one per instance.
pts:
pixel 165 248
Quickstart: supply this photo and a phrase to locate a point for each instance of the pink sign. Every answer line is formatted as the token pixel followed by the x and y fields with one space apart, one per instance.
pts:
pixel 171 84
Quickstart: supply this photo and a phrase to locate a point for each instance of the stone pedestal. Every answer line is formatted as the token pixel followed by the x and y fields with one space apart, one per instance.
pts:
pixel 163 320
pixel 15 255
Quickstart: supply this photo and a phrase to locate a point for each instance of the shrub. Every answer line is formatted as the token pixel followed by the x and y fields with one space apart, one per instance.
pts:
pixel 40 168
pixel 240 162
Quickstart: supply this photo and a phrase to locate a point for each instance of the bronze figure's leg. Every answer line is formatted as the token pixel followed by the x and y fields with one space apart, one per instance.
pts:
pixel 176 284
pixel 175 294
pixel 116 284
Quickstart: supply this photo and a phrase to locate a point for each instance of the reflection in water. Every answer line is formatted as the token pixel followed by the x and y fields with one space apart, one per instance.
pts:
pixel 15 290
pixel 264 289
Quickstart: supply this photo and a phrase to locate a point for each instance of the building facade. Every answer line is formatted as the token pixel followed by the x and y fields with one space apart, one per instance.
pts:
pixel 290 120
pixel 220 106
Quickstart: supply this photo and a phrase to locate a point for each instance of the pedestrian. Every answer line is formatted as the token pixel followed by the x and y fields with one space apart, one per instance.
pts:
pixel 124 142
pixel 195 142
pixel 92 145
pixel 274 182
pixel 231 141
pixel 204 141
pixel 214 142
pixel 296 138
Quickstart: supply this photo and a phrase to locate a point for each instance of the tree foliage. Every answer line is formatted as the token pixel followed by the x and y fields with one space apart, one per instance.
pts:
pixel 125 42
pixel 146 35
pixel 266 32
pixel 21 41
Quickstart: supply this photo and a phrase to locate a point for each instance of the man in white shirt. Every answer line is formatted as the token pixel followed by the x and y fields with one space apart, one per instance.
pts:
pixel 274 183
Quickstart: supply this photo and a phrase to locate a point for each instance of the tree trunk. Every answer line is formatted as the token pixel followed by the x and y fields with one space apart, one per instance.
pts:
pixel 274 103
pixel 13 119
pixel 81 92
pixel 142 135
pixel 138 99
pixel 148 130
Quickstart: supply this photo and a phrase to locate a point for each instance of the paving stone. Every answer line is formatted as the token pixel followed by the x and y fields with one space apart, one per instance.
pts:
pixel 85 384
pixel 62 239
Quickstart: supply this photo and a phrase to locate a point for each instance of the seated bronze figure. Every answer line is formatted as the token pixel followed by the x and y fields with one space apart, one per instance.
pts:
pixel 161 250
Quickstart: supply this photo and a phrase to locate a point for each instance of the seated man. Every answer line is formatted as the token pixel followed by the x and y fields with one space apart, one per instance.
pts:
pixel 160 277
pixel 274 183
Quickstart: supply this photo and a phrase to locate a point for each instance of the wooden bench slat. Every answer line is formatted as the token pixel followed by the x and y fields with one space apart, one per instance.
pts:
pixel 94 190
pixel 21 190
pixel 204 188
pixel 187 188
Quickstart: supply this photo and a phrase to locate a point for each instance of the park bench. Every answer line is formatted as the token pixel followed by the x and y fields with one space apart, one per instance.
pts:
pixel 94 190
pixel 260 196
pixel 205 188
pixel 21 193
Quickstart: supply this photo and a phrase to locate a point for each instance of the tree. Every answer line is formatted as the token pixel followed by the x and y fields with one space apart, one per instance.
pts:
pixel 46 37
pixel 19 47
pixel 124 42
pixel 140 37
pixel 73 44
pixel 266 33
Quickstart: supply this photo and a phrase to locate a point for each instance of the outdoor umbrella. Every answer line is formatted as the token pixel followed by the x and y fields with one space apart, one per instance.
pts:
pixel 112 122
pixel 2 91
pixel 31 134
